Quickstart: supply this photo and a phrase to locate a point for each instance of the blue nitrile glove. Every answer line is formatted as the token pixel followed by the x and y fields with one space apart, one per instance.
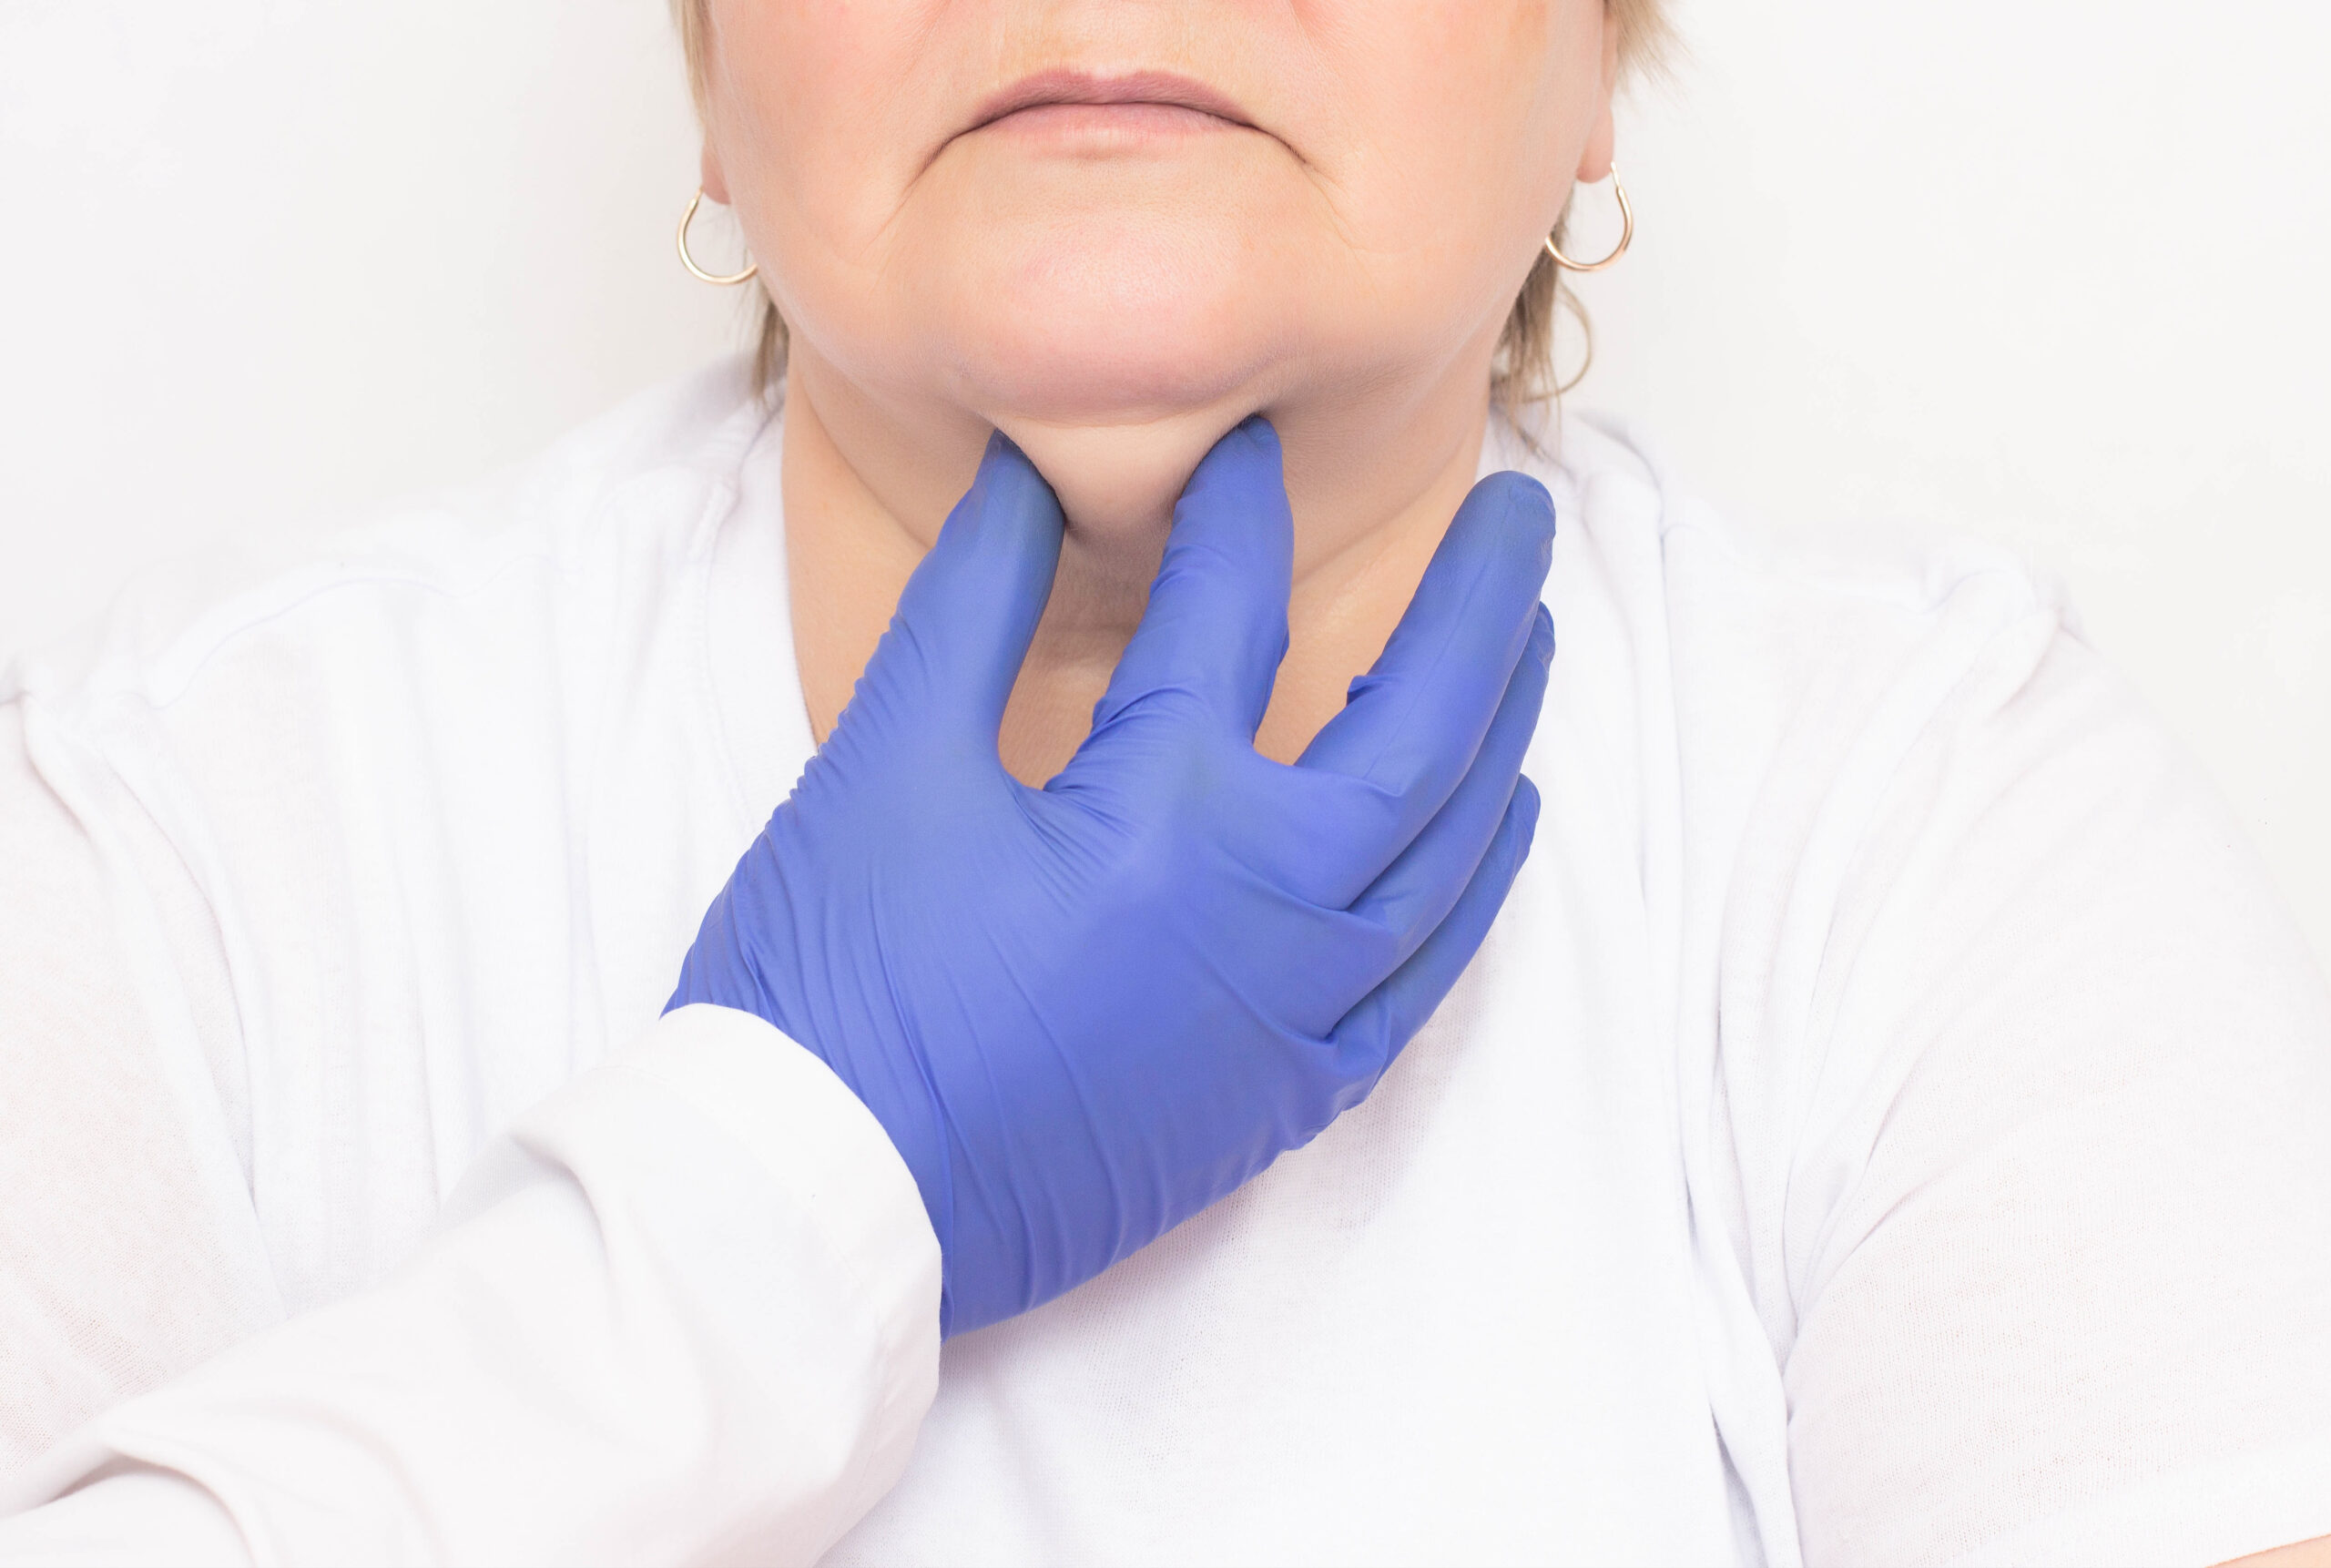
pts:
pixel 1086 1011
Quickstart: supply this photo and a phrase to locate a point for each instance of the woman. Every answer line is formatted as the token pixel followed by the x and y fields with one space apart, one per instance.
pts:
pixel 1880 1125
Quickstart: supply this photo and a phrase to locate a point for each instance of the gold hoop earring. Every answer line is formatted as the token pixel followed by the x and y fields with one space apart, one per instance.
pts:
pixel 688 261
pixel 1627 234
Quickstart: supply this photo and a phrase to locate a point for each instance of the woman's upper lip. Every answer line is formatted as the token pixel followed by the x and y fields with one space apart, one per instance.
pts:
pixel 1065 86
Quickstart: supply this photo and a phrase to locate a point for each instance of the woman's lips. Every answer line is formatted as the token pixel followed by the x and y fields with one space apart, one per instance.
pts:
pixel 1130 120
pixel 1140 104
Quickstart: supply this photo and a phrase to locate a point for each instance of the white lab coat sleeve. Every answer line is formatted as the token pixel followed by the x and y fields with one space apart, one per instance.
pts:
pixel 685 1311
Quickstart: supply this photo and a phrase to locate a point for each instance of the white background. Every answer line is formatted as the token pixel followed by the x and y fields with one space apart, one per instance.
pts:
pixel 2052 270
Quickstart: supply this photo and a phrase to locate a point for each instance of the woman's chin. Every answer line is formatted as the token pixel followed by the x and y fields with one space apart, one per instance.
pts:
pixel 1116 417
pixel 1108 360
pixel 1108 316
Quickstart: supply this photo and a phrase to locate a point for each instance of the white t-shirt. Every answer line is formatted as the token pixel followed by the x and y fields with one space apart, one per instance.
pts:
pixel 1889 1122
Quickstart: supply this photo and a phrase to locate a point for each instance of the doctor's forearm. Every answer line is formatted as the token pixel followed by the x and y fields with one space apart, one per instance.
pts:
pixel 692 1300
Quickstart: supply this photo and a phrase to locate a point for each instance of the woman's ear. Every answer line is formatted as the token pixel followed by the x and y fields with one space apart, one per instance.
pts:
pixel 716 183
pixel 1594 161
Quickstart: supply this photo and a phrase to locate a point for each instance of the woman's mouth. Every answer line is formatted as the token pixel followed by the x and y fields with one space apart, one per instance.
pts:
pixel 1078 107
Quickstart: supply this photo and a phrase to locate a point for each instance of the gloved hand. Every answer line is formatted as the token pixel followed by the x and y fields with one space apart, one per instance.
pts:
pixel 1086 1011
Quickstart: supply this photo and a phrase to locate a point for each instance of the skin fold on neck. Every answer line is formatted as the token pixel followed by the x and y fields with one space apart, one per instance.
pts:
pixel 1374 475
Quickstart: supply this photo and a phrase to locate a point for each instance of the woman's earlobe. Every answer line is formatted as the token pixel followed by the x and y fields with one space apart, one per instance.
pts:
pixel 1595 159
pixel 709 176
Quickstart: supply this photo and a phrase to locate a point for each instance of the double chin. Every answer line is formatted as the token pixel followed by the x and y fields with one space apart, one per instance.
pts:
pixel 1117 394
pixel 1115 413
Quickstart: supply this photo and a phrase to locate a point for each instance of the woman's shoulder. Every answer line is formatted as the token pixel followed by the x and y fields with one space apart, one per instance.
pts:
pixel 1756 637
pixel 1837 578
pixel 1965 941
pixel 604 511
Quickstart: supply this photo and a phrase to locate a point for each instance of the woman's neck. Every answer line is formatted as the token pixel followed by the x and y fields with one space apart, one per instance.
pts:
pixel 1373 479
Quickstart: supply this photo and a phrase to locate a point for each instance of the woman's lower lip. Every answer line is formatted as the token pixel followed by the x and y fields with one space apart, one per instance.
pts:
pixel 1131 122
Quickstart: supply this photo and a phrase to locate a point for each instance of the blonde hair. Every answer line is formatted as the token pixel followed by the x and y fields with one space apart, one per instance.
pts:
pixel 1524 370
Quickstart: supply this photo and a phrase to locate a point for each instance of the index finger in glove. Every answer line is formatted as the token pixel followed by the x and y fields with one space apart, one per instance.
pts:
pixel 1412 725
pixel 1415 894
